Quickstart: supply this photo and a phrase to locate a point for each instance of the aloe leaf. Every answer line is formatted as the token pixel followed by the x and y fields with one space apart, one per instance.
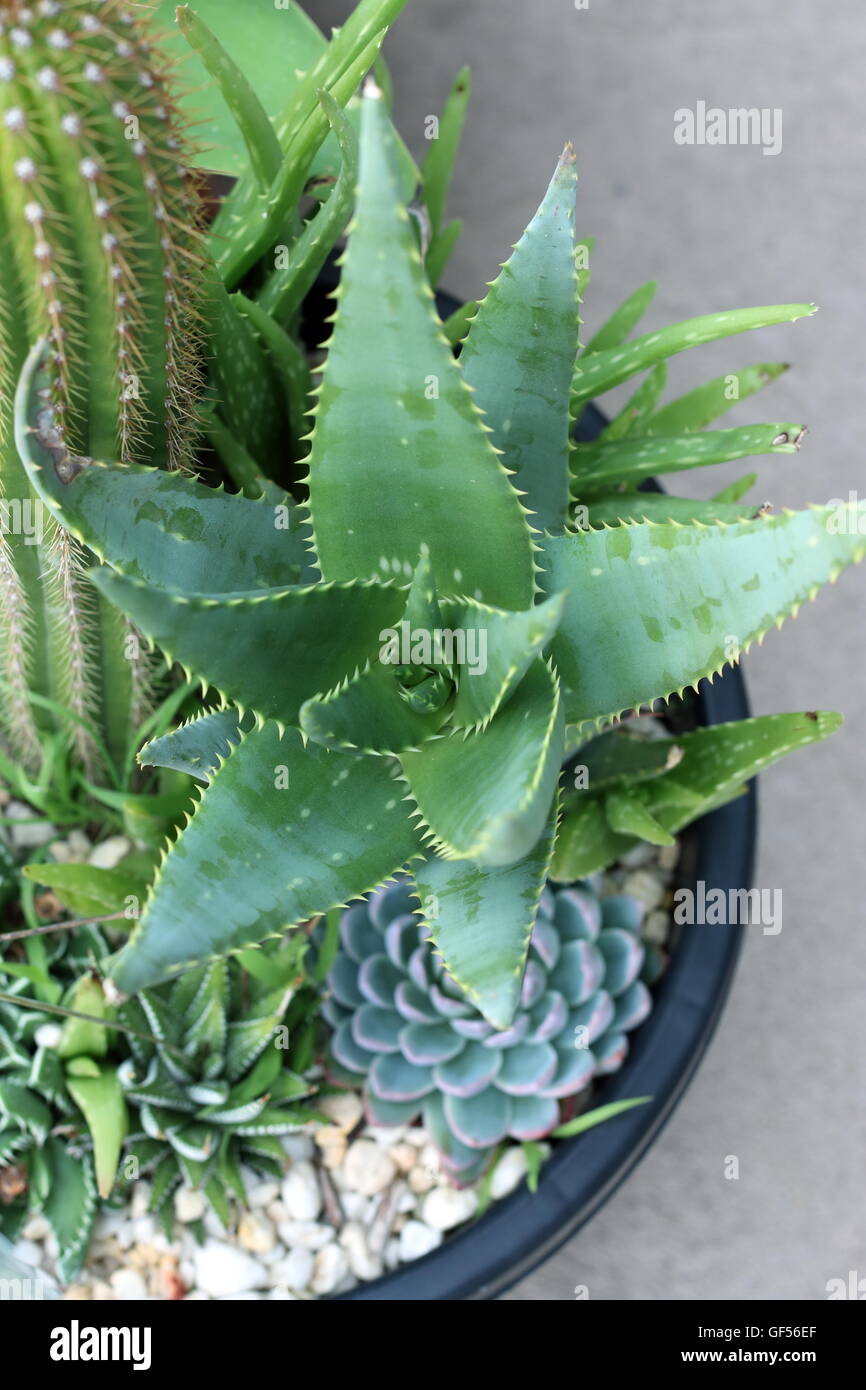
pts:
pixel 620 755
pixel 437 171
pixel 250 117
pixel 481 921
pixel 734 491
pixel 250 402
pixel 586 841
pixel 369 713
pixel 608 367
pixel 650 506
pixel 627 814
pixel 199 747
pixel 506 646
pixel 700 407
pixel 87 891
pixel 654 608
pixel 715 765
pixel 149 523
pixel 621 322
pixel 519 355
pixel 279 836
pixel 596 467
pixel 292 368
pixel 457 325
pixel 313 636
pixel 98 1095
pixel 287 286
pixel 486 795
pixel 70 1207
pixel 638 409
pixel 393 411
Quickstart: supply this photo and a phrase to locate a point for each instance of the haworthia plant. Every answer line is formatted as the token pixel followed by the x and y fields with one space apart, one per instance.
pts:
pixel 404 701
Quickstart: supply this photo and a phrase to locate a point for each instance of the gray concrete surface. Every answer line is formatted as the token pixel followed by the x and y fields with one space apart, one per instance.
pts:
pixel 783 1086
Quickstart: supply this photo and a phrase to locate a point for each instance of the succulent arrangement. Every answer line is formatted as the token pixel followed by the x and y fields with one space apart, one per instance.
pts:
pixel 411 593
pixel 405 1029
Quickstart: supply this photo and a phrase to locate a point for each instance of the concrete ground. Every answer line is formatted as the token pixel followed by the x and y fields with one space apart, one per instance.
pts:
pixel 783 1085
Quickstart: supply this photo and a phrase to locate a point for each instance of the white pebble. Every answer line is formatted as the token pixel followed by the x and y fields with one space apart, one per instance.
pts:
pixel 367 1168
pixel 646 887
pixel 298 1146
pixel 28 836
pixel 329 1269
pixel 309 1234
pixel 362 1261
pixel 344 1110
pixel 48 1035
pixel 508 1173
pixel 447 1207
pixel 294 1270
pixel 421 1180
pixel 256 1233
pixel 300 1192
pixel 140 1200
pixel 355 1205
pixel 404 1156
pixel 128 1285
pixel 282 1296
pixel 37 1228
pixel 392 1254
pixel 416 1240
pixel 108 854
pixel 29 1252
pixel 262 1194
pixel 223 1271
pixel 189 1205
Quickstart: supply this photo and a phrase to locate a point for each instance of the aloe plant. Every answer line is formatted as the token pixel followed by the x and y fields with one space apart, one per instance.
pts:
pixel 362 731
pixel 209 1079
pixel 62 1113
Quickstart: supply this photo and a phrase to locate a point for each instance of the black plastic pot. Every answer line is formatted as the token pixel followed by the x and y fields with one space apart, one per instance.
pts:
pixel 521 1231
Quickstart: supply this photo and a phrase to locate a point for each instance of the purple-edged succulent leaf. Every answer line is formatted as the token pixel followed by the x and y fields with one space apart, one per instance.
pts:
pixel 475 1028
pixel 632 1007
pixel 448 1006
pixel 390 1112
pixel 391 1077
pixel 378 978
pixel 579 971
pixel 575 1069
pixel 548 1018
pixel 401 939
pixel 426 1044
pixel 577 915
pixel 377 1029
pixel 610 1052
pixel 421 968
pixel 532 1117
pixel 467 1074
pixel 413 1003
pixel 546 942
pixel 534 983
pixel 343 981
pixel 509 1037
pixel 456 1157
pixel 622 910
pixel 394 900
pixel 479 1121
pixel 359 937
pixel 333 1012
pixel 348 1053
pixel 623 956
pixel 591 1019
pixel 527 1069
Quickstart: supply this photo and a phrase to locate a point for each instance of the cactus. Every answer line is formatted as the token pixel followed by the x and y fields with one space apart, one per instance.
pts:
pixel 414 703
pixel 213 1090
pixel 98 217
pixel 62 1114
pixel 404 1029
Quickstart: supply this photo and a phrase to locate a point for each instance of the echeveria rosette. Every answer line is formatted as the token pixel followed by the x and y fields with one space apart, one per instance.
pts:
pixel 405 1029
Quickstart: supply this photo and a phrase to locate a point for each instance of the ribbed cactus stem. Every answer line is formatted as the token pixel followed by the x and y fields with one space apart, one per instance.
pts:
pixel 99 213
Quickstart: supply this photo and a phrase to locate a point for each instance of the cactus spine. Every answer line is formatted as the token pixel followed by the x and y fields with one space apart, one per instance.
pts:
pixel 99 217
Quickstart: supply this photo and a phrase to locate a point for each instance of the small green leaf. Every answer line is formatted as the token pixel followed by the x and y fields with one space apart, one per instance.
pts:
pixel 70 1207
pixel 99 1097
pixel 200 746
pixel 597 467
pixel 700 407
pixel 622 321
pixel 590 1118
pixel 87 891
pixel 628 815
